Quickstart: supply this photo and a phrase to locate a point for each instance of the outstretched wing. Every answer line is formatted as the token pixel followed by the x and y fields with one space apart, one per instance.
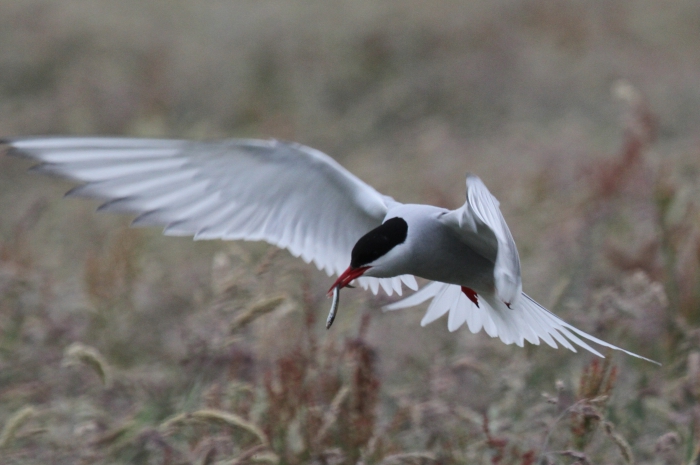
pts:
pixel 289 195
pixel 526 320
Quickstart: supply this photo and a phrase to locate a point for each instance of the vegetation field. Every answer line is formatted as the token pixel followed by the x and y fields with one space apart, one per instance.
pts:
pixel 121 346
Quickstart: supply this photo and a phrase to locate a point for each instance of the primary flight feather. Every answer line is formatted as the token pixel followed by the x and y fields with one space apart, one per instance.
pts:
pixel 298 198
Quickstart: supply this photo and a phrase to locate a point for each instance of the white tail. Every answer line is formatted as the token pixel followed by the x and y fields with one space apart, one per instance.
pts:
pixel 525 321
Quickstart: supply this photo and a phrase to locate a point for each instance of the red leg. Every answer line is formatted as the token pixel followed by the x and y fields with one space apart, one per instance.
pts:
pixel 471 295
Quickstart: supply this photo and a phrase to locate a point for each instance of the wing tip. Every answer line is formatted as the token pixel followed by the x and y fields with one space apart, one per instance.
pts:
pixel 43 168
pixel 15 148
pixel 472 177
pixel 10 141
pixel 15 152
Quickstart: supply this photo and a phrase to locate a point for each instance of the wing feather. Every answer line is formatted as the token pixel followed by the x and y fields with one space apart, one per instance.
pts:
pixel 386 285
pixel 427 292
pixel 438 306
pixel 458 316
pixel 286 194
pixel 410 281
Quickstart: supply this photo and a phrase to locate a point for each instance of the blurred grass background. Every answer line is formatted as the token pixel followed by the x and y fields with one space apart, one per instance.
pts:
pixel 121 346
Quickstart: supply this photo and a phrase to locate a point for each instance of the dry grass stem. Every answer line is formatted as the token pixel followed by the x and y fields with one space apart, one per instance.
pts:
pixel 581 458
pixel 410 458
pixel 256 311
pixel 620 442
pixel 246 456
pixel 331 415
pixel 81 354
pixel 217 416
pixel 265 457
pixel 14 423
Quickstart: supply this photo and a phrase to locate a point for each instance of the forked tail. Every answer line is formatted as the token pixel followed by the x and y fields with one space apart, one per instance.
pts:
pixel 525 321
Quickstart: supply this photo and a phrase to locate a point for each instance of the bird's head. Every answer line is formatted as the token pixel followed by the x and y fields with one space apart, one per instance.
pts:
pixel 375 251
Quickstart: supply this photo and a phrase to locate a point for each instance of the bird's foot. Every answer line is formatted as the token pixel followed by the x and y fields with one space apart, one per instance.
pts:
pixel 471 295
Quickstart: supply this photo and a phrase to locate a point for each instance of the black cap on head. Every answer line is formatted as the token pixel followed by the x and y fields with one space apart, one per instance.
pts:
pixel 379 241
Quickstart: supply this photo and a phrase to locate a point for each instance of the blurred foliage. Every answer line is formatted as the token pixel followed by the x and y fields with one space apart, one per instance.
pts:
pixel 119 346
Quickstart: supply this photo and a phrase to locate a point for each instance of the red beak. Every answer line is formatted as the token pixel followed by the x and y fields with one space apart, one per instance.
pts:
pixel 348 276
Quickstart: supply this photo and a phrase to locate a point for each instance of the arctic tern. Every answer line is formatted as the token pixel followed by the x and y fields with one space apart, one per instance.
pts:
pixel 300 199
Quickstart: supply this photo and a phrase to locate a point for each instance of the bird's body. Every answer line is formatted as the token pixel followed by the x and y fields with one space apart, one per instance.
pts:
pixel 435 250
pixel 300 199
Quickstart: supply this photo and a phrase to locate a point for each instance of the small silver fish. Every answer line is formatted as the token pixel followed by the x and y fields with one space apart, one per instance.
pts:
pixel 334 306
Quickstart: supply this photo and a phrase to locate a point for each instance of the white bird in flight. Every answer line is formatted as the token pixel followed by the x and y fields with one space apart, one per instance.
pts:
pixel 300 199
